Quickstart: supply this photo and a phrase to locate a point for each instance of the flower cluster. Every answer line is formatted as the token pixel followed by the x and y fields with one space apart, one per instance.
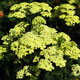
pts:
pixel 25 9
pixel 38 20
pixel 67 13
pixel 2 50
pixel 40 37
pixel 23 71
pixel 41 47
pixel 76 70
pixel 27 72
pixel 74 1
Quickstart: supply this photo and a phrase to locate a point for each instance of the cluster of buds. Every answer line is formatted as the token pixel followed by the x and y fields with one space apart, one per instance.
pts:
pixel 1 14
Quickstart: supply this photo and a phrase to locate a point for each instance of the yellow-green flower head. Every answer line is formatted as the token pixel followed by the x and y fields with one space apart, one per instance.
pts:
pixel 15 7
pixel 76 70
pixel 24 9
pixel 38 20
pixel 55 55
pixel 20 73
pixel 74 1
pixel 67 13
pixel 2 50
pixel 45 64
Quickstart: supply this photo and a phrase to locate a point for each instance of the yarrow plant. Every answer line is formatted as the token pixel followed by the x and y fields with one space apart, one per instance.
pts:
pixel 41 47
pixel 40 37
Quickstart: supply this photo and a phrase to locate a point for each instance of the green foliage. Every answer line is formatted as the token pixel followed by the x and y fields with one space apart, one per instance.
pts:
pixel 67 13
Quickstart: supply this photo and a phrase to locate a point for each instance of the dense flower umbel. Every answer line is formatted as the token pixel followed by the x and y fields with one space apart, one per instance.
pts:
pixel 67 13
pixel 76 70
pixel 25 9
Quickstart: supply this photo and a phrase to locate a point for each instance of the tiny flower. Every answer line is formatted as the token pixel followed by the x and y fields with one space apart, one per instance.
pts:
pixel 10 3
pixel 79 6
pixel 1 14
pixel 57 1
